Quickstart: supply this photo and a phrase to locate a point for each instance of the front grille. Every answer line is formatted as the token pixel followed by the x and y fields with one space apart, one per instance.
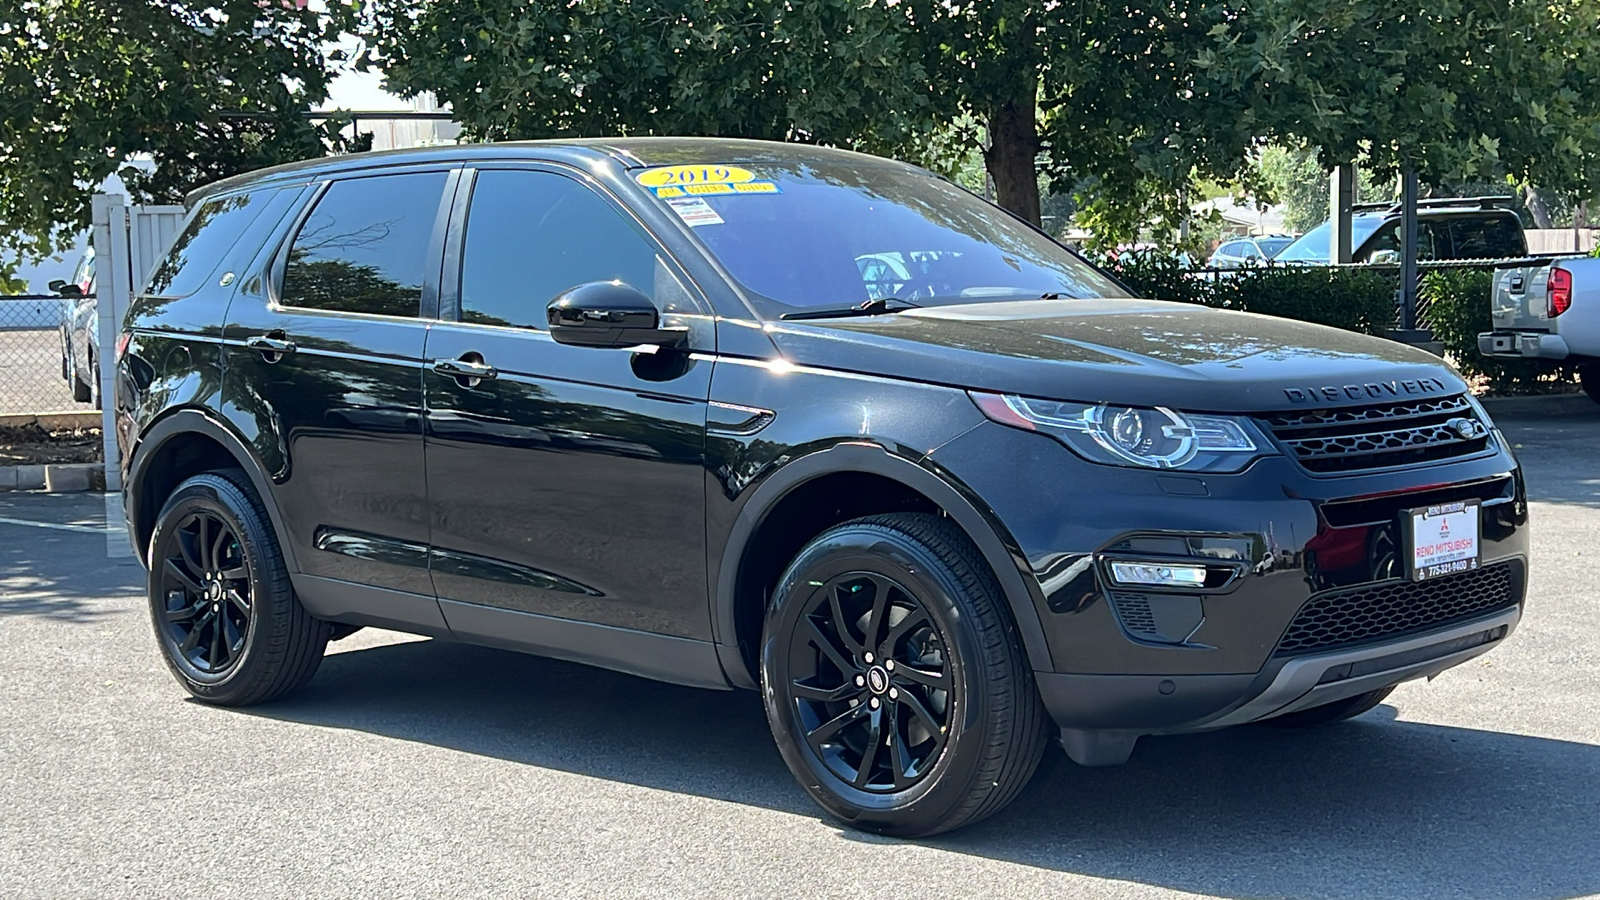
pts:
pixel 1388 609
pixel 1381 436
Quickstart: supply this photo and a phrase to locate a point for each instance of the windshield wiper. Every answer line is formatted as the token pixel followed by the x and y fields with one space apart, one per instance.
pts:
pixel 870 308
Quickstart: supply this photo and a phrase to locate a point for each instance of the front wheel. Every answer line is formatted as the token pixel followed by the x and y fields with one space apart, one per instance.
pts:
pixel 227 620
pixel 894 678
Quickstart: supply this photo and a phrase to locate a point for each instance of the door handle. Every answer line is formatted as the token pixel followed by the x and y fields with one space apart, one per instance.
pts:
pixel 467 371
pixel 271 348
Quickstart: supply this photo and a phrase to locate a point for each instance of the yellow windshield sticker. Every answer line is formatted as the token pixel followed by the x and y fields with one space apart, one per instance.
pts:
pixel 683 176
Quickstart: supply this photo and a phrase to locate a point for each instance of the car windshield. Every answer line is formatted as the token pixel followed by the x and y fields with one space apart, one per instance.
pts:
pixel 820 235
pixel 1273 246
pixel 1313 245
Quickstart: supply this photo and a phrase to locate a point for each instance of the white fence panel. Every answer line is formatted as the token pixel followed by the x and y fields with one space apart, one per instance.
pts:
pixel 128 242
pixel 1561 240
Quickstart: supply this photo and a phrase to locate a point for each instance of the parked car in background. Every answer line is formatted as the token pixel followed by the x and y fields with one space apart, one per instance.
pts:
pixel 644 403
pixel 1247 251
pixel 1548 310
pixel 80 332
pixel 1447 228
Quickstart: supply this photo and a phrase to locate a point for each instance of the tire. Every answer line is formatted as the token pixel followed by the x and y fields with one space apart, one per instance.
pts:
pixel 240 636
pixel 1589 377
pixel 1328 713
pixel 81 392
pixel 912 586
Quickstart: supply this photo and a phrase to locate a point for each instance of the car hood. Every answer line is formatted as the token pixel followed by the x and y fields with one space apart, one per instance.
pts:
pixel 1134 352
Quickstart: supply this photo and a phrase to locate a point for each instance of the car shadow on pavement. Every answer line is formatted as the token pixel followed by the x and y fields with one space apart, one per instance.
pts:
pixel 1373 808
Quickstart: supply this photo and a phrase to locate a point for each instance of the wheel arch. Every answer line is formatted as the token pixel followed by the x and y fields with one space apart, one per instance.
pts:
pixel 181 443
pixel 740 599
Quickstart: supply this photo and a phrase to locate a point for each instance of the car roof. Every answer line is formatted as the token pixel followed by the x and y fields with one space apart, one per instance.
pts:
pixel 628 152
pixel 1448 212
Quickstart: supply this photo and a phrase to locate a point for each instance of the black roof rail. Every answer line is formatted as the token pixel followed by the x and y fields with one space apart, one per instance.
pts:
pixel 1438 203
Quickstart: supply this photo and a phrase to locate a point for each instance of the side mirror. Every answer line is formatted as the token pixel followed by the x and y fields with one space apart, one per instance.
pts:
pixel 609 314
pixel 1384 258
pixel 64 289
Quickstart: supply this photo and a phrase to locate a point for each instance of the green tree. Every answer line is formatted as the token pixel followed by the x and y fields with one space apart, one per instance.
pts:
pixel 1461 90
pixel 835 71
pixel 1296 179
pixel 204 89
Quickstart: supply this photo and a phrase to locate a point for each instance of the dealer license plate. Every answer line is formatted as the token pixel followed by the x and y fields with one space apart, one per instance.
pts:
pixel 1443 539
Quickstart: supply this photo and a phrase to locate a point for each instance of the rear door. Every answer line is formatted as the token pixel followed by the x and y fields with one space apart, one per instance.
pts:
pixel 570 484
pixel 330 366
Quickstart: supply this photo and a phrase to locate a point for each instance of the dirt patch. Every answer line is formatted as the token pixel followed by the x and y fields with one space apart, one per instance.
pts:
pixel 31 445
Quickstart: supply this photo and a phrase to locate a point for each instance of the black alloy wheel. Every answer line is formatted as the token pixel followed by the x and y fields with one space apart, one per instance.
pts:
pixel 225 614
pixel 871 682
pixel 894 679
pixel 206 588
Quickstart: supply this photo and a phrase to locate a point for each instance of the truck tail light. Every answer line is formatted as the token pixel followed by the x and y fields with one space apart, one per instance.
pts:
pixel 1559 291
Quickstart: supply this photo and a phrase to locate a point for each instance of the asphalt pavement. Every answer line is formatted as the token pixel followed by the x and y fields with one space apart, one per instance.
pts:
pixel 413 767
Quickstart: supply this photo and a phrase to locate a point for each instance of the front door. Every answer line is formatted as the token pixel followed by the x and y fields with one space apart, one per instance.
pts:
pixel 329 370
pixel 570 483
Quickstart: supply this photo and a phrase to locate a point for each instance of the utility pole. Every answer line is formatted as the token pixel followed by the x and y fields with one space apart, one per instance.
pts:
pixel 1341 206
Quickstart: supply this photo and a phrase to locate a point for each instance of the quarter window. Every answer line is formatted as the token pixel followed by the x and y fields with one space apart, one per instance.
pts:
pixel 365 246
pixel 532 235
pixel 207 237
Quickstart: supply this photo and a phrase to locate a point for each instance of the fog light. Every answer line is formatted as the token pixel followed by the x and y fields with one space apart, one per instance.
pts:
pixel 1158 575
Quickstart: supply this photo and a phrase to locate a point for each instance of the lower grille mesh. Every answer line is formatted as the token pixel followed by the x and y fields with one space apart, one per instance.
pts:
pixel 1391 608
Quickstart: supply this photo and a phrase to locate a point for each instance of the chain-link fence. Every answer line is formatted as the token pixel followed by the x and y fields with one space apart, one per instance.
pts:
pixel 37 369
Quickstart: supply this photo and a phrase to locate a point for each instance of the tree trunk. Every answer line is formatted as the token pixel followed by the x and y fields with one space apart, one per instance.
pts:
pixel 1536 208
pixel 1013 145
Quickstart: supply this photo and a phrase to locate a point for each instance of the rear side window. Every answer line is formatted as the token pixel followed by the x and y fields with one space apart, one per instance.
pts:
pixel 532 235
pixel 210 233
pixel 1499 237
pixel 364 247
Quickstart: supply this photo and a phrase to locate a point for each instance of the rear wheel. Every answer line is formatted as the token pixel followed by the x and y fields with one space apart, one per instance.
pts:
pixel 894 679
pixel 1337 711
pixel 227 620
pixel 1589 377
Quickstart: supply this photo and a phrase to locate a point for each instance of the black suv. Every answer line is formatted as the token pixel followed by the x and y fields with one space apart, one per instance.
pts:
pixel 747 415
pixel 1447 228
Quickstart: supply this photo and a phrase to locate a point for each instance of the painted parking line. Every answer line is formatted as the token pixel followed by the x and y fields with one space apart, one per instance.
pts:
pixel 116 533
pixel 118 544
pixel 85 529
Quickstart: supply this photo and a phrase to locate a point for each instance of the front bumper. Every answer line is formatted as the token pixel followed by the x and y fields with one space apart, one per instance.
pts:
pixel 1175 661
pixel 1522 345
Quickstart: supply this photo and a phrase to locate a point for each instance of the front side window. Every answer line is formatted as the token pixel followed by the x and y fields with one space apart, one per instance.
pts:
pixel 533 235
pixel 821 234
pixel 1312 247
pixel 209 234
pixel 364 247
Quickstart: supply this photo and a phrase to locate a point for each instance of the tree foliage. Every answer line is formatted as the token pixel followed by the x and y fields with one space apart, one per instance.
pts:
pixel 1460 89
pixel 205 90
pixel 834 71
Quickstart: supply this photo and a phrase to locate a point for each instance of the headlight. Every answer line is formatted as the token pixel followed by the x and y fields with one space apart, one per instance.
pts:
pixel 1157 438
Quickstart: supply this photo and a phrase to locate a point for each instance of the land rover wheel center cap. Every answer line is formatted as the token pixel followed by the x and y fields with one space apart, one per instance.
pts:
pixel 877 679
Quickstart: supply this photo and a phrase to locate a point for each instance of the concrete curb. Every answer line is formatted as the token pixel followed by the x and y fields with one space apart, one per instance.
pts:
pixel 63 478
pixel 1545 405
pixel 53 421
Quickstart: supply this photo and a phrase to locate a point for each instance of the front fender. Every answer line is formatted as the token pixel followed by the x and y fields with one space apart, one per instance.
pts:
pixel 990 537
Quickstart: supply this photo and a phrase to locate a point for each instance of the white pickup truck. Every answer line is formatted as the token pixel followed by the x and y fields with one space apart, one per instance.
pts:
pixel 1548 310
